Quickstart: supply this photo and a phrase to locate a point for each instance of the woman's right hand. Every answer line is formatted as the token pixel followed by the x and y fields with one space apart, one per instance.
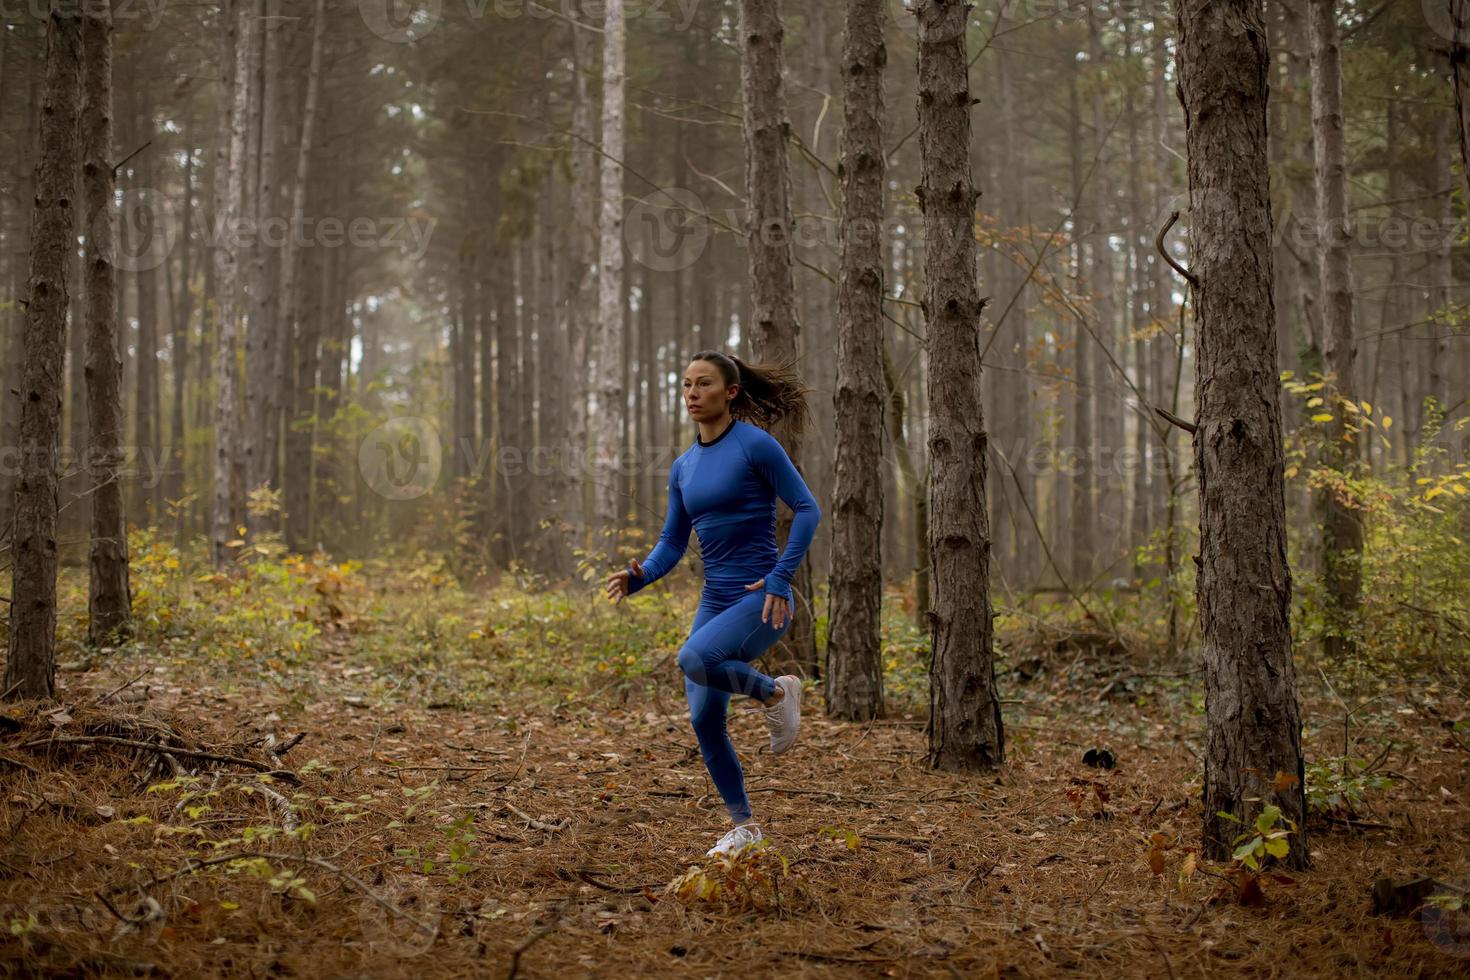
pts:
pixel 617 582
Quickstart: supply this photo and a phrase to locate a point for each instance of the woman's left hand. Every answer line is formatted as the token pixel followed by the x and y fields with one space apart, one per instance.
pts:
pixel 777 610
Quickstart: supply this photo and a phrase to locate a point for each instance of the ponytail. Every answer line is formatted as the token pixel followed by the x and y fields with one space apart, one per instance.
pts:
pixel 769 393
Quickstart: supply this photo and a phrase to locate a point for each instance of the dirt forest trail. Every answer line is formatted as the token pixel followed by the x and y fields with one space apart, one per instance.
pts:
pixel 514 839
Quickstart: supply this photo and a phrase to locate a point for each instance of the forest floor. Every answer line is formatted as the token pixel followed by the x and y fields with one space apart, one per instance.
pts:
pixel 511 827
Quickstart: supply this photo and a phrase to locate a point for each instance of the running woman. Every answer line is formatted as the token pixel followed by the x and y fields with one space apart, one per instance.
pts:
pixel 725 486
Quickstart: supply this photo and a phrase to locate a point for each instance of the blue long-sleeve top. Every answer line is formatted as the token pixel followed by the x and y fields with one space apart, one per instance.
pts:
pixel 726 490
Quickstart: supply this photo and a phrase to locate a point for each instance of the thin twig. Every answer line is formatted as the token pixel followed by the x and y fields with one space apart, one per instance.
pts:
pixel 162 750
pixel 1169 416
pixel 562 824
pixel 1159 244
pixel 125 684
pixel 586 874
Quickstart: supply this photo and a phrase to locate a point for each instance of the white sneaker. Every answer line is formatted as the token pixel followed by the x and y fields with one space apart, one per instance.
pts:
pixel 784 717
pixel 738 838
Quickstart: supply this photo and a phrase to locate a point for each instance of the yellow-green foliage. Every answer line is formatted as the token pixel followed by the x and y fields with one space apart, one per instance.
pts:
pixel 1415 613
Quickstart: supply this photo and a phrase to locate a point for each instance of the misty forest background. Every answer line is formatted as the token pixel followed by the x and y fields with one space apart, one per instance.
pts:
pixel 381 445
pixel 469 160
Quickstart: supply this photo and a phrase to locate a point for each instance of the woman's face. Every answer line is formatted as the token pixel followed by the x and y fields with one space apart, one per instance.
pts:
pixel 705 393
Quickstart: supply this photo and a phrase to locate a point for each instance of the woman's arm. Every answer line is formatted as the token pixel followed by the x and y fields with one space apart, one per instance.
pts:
pixel 770 459
pixel 672 541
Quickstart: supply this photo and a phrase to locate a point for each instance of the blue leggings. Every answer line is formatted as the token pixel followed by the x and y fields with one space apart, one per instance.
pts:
pixel 726 636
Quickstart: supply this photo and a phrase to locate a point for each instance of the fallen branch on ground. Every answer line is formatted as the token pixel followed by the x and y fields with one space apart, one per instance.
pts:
pixel 164 750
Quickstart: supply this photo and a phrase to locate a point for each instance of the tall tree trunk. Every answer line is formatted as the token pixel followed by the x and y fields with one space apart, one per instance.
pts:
pixel 1168 358
pixel 303 414
pixel 854 688
pixel 1342 530
pixel 1083 506
pixel 147 416
pixel 229 176
pixel 1441 363
pixel 30 666
pixel 774 332
pixel 462 334
pixel 914 484
pixel 607 360
pixel 74 520
pixel 1110 484
pixel 1007 396
pixel 584 262
pixel 1459 24
pixel 299 436
pixel 507 395
pixel 252 260
pixel 1253 728
pixel 109 597
pixel 183 312
pixel 964 729
pixel 1305 311
pixel 266 347
pixel 486 288
pixel 1138 248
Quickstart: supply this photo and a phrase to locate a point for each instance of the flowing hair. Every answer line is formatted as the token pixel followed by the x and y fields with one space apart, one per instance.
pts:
pixel 769 393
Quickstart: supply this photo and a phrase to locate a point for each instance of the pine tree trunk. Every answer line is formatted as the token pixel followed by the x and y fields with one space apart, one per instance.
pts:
pixel 299 429
pixel 229 162
pixel 267 273
pixel 485 290
pixel 1459 24
pixel 964 731
pixel 1342 530
pixel 607 384
pixel 148 417
pixel 75 517
pixel 303 413
pixel 854 686
pixel 109 599
pixel 584 264
pixel 183 313
pixel 507 395
pixel 774 332
pixel 1168 358
pixel 1138 248
pixel 1253 728
pixel 912 484
pixel 462 335
pixel 1110 485
pixel 1441 363
pixel 255 330
pixel 13 371
pixel 30 666
pixel 1083 505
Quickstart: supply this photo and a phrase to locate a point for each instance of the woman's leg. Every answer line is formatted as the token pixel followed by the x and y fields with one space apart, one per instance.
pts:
pixel 719 650
pixel 714 661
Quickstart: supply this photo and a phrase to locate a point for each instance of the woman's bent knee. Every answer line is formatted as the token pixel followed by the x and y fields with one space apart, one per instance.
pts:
pixel 692 664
